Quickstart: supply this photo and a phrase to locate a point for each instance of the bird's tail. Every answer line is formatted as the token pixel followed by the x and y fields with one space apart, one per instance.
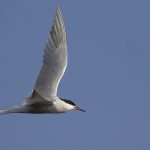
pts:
pixel 11 110
pixel 4 111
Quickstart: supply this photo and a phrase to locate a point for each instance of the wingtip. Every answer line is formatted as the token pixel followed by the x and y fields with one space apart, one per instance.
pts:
pixel 58 14
pixel 58 9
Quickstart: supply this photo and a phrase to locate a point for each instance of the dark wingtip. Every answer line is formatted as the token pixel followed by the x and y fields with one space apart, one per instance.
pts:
pixel 58 8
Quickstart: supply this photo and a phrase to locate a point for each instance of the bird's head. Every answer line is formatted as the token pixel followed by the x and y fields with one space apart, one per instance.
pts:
pixel 72 105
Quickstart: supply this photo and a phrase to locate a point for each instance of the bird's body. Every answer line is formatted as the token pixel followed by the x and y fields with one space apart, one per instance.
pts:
pixel 57 106
pixel 43 99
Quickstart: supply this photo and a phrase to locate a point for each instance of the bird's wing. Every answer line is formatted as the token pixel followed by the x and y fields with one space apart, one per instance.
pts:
pixel 54 61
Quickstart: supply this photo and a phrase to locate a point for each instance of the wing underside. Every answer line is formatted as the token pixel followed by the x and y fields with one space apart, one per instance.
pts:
pixel 54 60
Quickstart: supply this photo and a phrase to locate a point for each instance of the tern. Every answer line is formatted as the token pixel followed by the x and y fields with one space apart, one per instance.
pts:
pixel 43 98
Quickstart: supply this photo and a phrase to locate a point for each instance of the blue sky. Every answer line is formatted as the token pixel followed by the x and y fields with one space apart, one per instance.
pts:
pixel 108 74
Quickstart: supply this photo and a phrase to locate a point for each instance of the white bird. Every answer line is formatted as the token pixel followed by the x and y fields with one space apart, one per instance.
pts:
pixel 43 98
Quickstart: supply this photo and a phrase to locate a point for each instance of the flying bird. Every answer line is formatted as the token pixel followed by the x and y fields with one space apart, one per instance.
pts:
pixel 43 98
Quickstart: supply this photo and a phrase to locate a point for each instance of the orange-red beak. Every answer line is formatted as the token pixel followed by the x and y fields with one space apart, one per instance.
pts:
pixel 78 108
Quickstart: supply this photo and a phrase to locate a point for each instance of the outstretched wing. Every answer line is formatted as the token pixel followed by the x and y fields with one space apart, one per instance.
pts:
pixel 54 60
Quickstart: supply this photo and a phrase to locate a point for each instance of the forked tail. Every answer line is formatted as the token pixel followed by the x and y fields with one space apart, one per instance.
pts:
pixel 2 112
pixel 11 110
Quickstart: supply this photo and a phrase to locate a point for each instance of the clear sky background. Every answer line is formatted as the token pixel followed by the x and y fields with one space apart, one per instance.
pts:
pixel 108 74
